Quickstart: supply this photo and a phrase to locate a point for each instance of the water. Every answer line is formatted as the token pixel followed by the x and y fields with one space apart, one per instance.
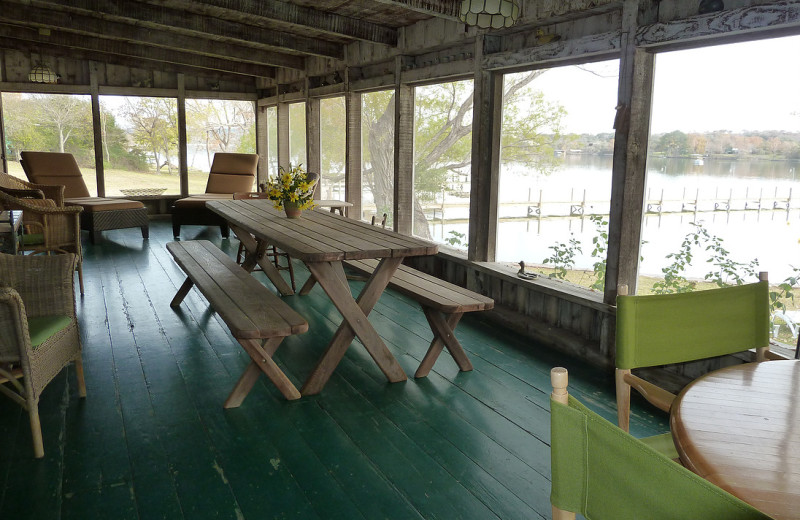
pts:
pixel 771 236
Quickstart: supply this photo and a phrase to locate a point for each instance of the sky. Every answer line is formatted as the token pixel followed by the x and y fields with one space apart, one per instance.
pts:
pixel 742 86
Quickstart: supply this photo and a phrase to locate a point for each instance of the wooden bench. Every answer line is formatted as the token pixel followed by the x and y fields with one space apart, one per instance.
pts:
pixel 443 304
pixel 257 318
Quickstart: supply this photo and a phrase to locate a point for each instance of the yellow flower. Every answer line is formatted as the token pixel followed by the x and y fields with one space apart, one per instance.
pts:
pixel 293 196
pixel 303 186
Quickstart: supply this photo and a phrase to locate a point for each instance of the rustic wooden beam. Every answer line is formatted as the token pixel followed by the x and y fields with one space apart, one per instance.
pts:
pixel 110 30
pixel 33 41
pixel 352 183
pixel 632 129
pixel 447 9
pixel 722 26
pixel 97 128
pixel 403 209
pixel 485 176
pixel 283 136
pixel 596 45
pixel 290 15
pixel 183 154
pixel 191 24
pixel 313 138
pixel 79 54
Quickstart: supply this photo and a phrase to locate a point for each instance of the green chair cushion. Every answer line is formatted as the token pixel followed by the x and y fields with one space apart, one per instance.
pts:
pixel 43 327
pixel 663 444
pixel 32 239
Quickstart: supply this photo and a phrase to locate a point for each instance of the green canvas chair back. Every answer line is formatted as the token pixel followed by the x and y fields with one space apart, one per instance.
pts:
pixel 663 329
pixel 672 328
pixel 602 472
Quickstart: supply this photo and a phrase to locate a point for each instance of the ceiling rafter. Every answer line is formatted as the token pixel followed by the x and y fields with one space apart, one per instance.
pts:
pixel 103 29
pixel 447 9
pixel 156 54
pixel 192 24
pixel 113 59
pixel 291 15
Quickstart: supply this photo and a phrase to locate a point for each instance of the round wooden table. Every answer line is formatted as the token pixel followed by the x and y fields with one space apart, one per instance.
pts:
pixel 739 427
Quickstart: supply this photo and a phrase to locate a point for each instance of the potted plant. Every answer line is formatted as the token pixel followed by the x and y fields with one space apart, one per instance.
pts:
pixel 292 190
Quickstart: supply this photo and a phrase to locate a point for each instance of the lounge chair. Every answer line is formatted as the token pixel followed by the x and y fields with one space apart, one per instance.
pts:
pixel 230 173
pixel 99 213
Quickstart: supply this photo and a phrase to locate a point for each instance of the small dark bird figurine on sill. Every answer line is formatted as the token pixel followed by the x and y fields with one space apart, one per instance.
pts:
pixel 524 275
pixel 710 6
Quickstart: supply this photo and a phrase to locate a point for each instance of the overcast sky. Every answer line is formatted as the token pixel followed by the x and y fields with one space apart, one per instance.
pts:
pixel 742 86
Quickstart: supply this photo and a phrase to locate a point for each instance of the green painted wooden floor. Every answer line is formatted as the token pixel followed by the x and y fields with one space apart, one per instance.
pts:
pixel 152 440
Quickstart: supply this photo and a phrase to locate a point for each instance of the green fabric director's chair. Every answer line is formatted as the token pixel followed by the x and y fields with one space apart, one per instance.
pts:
pixel 662 329
pixel 602 472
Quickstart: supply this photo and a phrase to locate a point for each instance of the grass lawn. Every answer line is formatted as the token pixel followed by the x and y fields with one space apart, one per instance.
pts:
pixel 123 179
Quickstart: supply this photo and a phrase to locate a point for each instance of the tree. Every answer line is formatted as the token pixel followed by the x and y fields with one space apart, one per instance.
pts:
pixel 674 143
pixel 64 113
pixel 443 137
pixel 223 125
pixel 155 127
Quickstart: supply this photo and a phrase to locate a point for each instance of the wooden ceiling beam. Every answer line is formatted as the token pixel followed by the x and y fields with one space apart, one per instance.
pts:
pixel 289 14
pixel 103 29
pixel 113 59
pixel 192 24
pixel 156 54
pixel 447 9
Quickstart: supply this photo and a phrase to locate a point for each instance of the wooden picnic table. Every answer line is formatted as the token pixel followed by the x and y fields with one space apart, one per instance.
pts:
pixel 323 240
pixel 739 427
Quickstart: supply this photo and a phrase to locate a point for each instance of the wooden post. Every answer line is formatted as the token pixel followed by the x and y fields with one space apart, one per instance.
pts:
pixel 283 135
pixel 352 183
pixel 632 125
pixel 313 139
pixel 97 127
pixel 486 122
pixel 262 144
pixel 403 154
pixel 183 157
pixel 2 123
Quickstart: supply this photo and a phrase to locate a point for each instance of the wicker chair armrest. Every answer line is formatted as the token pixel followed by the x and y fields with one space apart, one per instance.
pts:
pixel 14 324
pixel 24 193
pixel 54 192
pixel 37 207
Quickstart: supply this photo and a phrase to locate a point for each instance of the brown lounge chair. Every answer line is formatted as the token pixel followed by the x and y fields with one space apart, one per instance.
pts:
pixel 99 213
pixel 230 173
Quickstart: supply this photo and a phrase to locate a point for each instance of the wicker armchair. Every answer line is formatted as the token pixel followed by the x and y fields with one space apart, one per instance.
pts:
pixel 49 228
pixel 38 330
pixel 12 185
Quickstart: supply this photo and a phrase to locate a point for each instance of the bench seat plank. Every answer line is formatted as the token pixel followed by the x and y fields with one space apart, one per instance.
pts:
pixel 429 290
pixel 248 308
pixel 443 304
pixel 257 318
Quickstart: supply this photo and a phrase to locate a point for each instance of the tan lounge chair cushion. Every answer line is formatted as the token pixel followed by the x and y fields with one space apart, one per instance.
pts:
pixel 95 204
pixel 199 201
pixel 55 168
pixel 232 172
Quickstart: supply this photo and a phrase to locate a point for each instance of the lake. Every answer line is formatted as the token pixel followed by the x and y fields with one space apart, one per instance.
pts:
pixel 680 191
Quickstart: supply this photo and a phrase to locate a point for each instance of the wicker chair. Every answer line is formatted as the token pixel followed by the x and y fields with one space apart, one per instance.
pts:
pixel 38 330
pixel 11 185
pixel 99 213
pixel 49 228
pixel 229 173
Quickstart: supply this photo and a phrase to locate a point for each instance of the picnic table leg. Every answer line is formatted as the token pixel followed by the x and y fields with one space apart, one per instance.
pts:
pixel 257 253
pixel 332 279
pixel 443 336
pixel 182 292
pixel 261 362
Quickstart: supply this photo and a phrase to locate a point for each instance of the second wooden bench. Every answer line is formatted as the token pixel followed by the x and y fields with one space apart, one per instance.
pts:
pixel 443 304
pixel 256 317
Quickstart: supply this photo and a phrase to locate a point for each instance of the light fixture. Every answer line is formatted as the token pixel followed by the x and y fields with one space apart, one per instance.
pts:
pixel 489 13
pixel 543 38
pixel 42 74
